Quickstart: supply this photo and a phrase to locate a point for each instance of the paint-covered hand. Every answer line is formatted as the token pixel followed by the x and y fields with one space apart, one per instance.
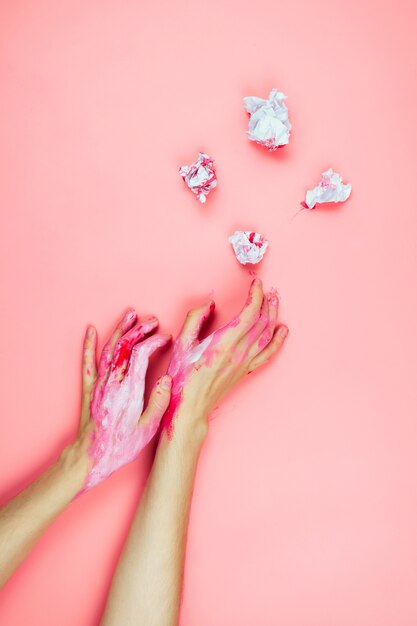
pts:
pixel 113 428
pixel 204 371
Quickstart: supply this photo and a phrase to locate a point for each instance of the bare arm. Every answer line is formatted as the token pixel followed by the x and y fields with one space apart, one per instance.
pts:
pixel 146 588
pixel 27 516
pixel 94 455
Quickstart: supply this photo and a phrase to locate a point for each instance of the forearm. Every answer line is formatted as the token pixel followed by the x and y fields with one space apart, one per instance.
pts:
pixel 146 588
pixel 24 518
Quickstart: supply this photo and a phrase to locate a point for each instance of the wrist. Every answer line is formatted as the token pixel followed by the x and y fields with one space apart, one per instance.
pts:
pixel 189 427
pixel 73 465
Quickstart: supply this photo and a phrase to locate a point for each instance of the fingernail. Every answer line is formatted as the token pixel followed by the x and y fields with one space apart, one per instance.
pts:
pixel 90 332
pixel 283 331
pixel 256 281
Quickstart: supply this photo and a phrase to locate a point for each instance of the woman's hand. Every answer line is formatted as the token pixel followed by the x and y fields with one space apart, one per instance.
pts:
pixel 204 371
pixel 113 429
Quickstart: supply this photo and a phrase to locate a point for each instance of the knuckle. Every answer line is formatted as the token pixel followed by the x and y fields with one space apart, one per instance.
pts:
pixel 263 319
pixel 252 318
pixel 255 310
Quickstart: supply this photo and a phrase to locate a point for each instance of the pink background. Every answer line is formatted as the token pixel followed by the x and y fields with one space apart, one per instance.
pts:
pixel 305 507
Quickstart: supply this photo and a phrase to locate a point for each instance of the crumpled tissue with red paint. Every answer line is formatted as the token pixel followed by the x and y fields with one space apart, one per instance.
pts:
pixel 249 247
pixel 330 189
pixel 268 124
pixel 200 176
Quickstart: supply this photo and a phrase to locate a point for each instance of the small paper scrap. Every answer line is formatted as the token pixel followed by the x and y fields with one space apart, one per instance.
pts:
pixel 249 247
pixel 200 176
pixel 268 124
pixel 329 189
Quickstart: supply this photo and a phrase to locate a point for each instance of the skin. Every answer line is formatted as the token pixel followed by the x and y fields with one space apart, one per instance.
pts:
pixel 204 371
pixel 146 587
pixel 113 399
pixel 84 463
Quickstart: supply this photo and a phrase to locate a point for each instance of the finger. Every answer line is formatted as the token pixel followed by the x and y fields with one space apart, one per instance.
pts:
pixel 141 353
pixel 89 372
pixel 122 327
pixel 134 381
pixel 250 339
pixel 264 338
pixel 250 313
pixel 194 322
pixel 125 344
pixel 271 349
pixel 158 403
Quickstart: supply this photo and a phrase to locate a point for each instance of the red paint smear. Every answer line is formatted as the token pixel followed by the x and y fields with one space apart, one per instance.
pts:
pixel 167 423
pixel 122 355
pixel 251 239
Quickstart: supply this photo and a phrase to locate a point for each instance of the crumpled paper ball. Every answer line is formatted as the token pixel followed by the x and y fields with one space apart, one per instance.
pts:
pixel 200 176
pixel 330 189
pixel 268 124
pixel 249 247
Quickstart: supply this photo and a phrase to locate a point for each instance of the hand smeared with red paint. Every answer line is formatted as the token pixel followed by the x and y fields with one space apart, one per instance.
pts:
pixel 204 371
pixel 112 404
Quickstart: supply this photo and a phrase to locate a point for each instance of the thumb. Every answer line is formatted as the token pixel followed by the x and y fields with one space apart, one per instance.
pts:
pixel 158 401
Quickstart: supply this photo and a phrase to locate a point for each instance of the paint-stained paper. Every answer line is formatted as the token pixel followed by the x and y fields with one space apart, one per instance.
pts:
pixel 268 124
pixel 249 247
pixel 330 189
pixel 200 176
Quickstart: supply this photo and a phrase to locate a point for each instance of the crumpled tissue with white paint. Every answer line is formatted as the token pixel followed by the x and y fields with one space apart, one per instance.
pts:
pixel 330 189
pixel 268 124
pixel 249 246
pixel 200 176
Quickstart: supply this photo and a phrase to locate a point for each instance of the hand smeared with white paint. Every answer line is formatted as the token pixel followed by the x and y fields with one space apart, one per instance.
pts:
pixel 204 371
pixel 113 398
